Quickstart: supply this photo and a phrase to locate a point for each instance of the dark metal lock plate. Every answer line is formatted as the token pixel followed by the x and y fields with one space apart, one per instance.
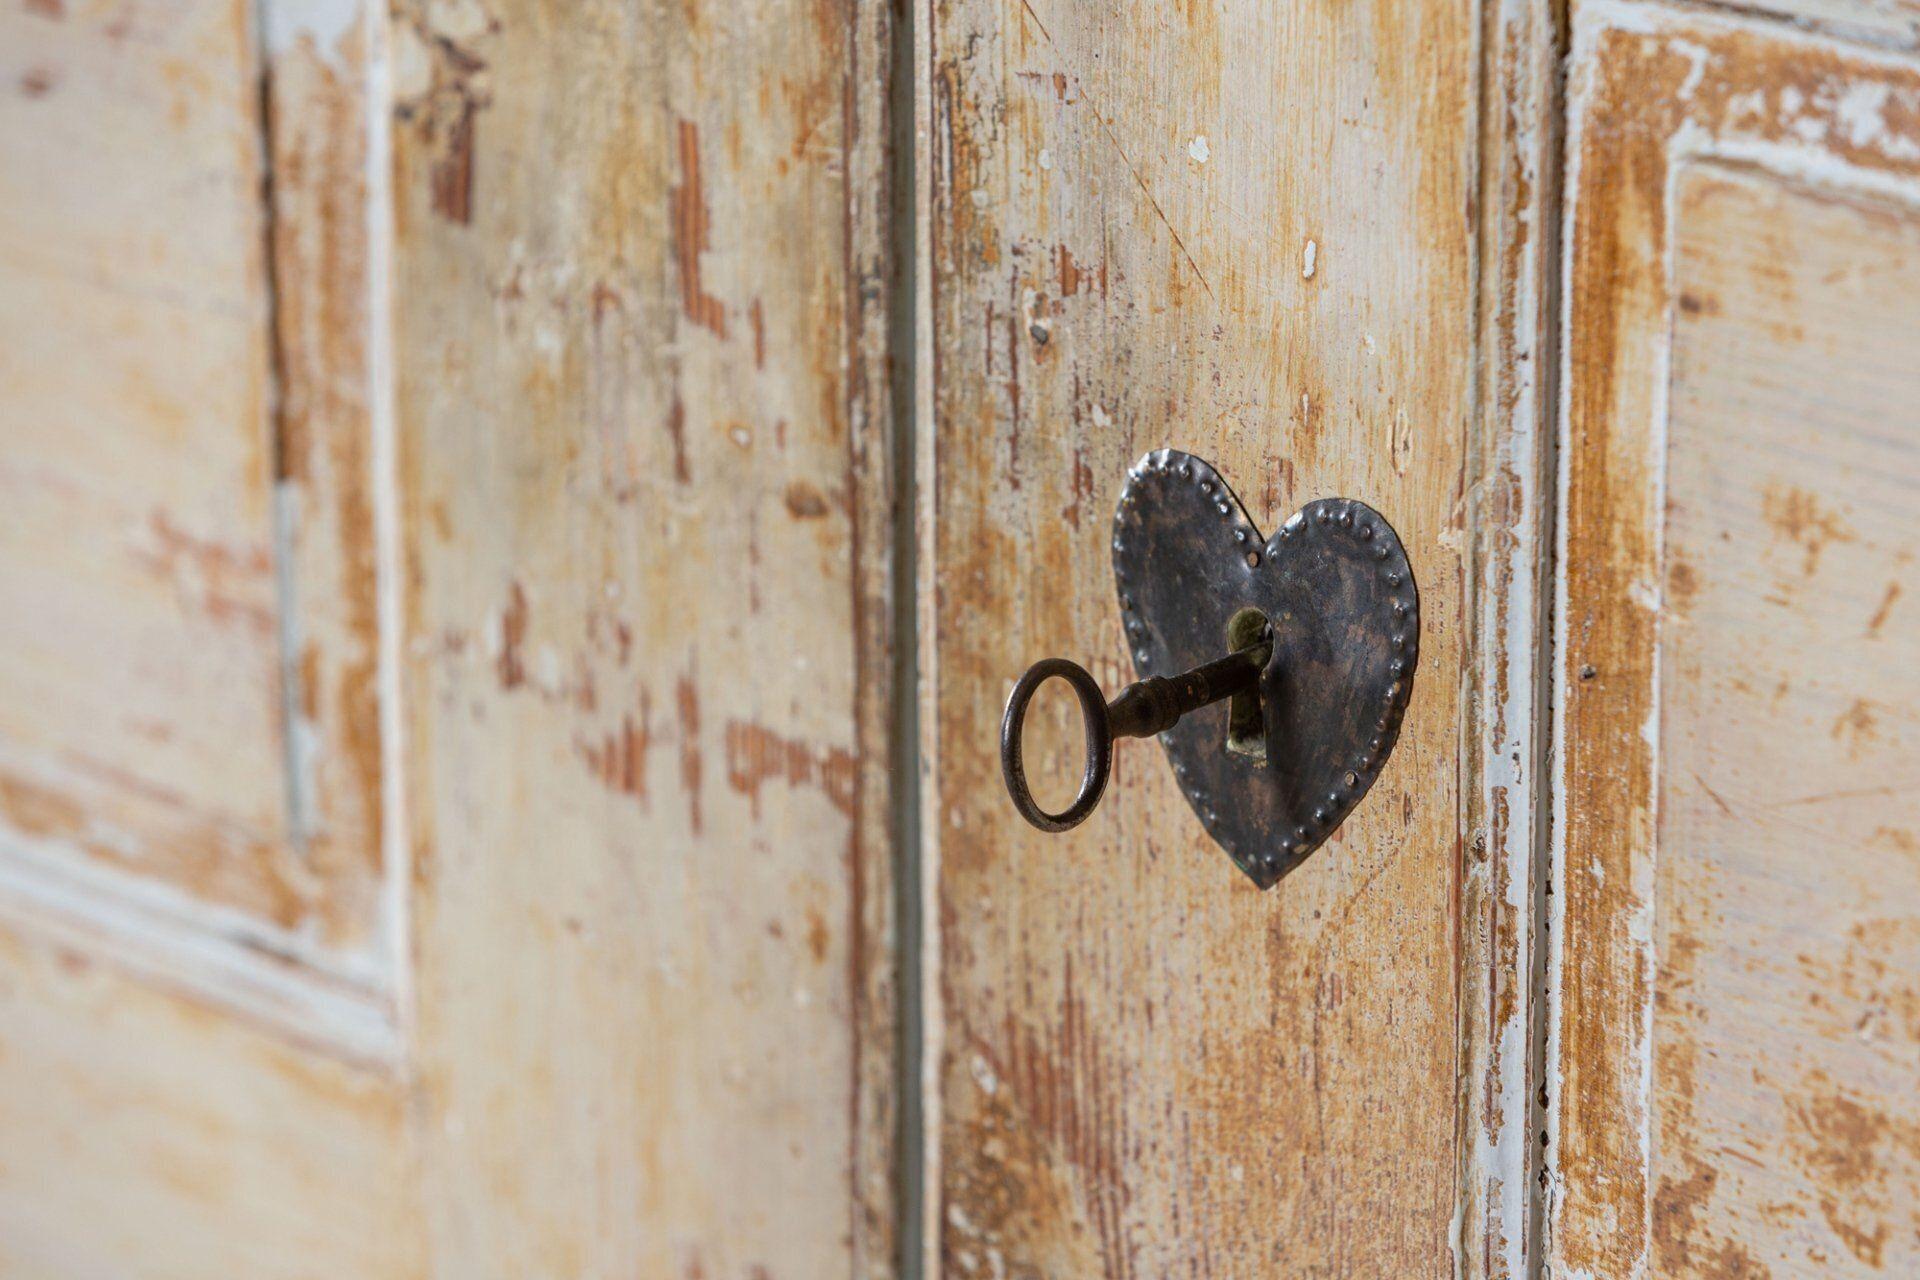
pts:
pixel 1336 589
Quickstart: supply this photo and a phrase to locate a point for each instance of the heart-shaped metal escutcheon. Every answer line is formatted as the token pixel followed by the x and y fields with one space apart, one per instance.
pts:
pixel 1270 778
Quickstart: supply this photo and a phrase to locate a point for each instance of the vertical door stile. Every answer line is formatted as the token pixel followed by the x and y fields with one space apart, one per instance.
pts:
pixel 1314 248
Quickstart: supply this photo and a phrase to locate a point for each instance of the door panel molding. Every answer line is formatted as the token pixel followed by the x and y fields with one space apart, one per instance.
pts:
pixel 341 1003
pixel 196 769
pixel 1654 92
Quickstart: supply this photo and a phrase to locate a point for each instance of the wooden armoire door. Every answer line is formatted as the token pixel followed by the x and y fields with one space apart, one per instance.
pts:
pixel 457 813
pixel 1304 242
pixel 444 543
pixel 1735 999
pixel 518 520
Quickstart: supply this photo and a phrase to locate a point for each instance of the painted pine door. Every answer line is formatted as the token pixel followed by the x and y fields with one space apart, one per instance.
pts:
pixel 1304 243
pixel 517 522
pixel 485 482
pixel 443 640
pixel 1736 1031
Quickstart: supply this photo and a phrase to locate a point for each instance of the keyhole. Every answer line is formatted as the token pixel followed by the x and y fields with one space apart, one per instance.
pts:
pixel 1246 723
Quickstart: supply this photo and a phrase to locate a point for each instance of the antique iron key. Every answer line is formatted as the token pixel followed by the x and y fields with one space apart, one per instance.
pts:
pixel 1143 709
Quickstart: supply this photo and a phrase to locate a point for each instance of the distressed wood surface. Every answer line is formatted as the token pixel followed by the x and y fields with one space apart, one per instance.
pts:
pixel 1786 1017
pixel 147 1135
pixel 198 958
pixel 189 718
pixel 530 365
pixel 1703 476
pixel 318 107
pixel 1250 235
pixel 639 276
pixel 1509 557
pixel 1888 22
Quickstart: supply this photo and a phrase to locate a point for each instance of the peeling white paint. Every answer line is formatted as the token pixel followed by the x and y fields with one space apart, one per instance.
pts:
pixel 301 741
pixel 547 675
pixel 459 20
pixel 1696 56
pixel 1308 256
pixel 1860 112
pixel 284 23
pixel 1751 105
pixel 1199 149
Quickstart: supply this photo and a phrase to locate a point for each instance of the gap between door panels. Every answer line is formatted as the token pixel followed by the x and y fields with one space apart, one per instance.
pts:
pixel 904 330
pixel 1513 536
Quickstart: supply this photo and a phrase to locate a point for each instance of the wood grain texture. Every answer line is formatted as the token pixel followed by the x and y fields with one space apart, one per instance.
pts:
pixel 639 279
pixel 1654 92
pixel 146 1135
pixel 1786 1020
pixel 1250 235
pixel 188 701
